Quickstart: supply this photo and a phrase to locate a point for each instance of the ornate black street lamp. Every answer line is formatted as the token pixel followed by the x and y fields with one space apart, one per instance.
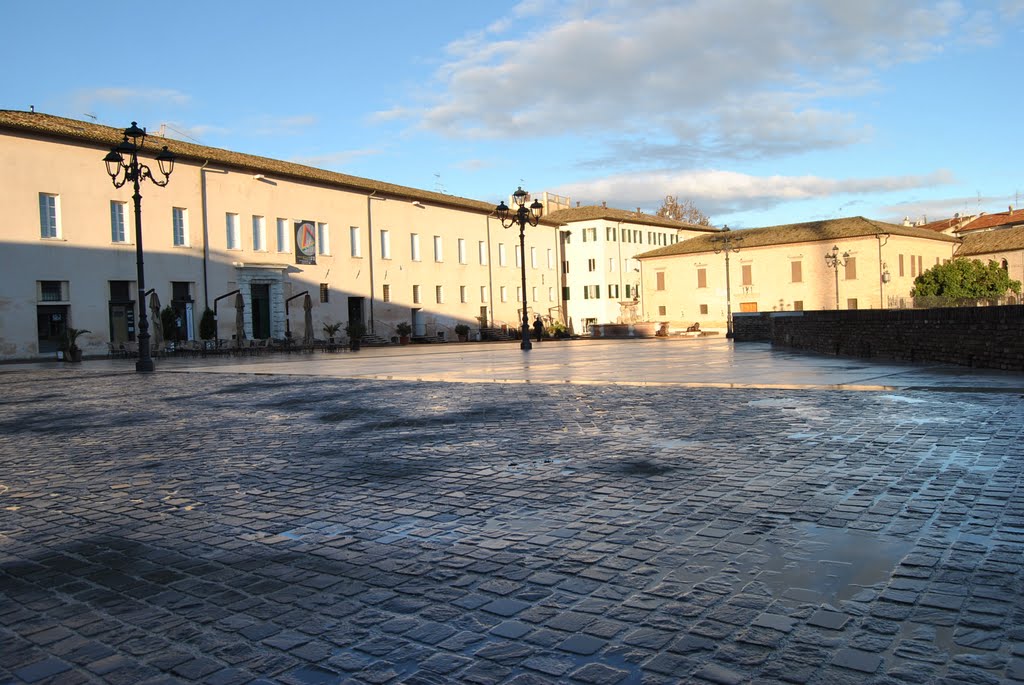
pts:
pixel 834 261
pixel 725 242
pixel 123 166
pixel 522 216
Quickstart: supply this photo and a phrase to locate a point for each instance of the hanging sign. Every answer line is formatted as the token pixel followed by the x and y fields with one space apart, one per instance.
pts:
pixel 305 242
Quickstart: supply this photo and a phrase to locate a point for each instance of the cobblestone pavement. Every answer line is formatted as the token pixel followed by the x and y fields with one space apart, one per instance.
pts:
pixel 228 528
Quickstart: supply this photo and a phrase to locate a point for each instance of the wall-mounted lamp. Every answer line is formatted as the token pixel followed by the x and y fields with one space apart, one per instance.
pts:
pixel 259 177
pixel 417 203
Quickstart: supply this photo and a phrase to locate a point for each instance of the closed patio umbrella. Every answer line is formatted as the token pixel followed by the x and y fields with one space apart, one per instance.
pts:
pixel 307 305
pixel 239 319
pixel 155 325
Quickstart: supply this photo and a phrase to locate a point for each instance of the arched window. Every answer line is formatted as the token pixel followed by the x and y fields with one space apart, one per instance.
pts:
pixel 1006 265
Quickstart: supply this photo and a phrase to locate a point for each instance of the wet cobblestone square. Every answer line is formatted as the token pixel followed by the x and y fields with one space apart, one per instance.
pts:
pixel 234 528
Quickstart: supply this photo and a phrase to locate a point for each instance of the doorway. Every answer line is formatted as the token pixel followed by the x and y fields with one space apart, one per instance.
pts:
pixel 355 310
pixel 260 302
pixel 51 322
pixel 483 317
pixel 419 325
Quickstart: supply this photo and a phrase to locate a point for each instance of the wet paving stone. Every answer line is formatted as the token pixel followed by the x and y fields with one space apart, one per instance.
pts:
pixel 228 532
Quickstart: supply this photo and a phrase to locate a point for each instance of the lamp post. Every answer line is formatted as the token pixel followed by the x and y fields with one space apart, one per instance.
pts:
pixel 726 243
pixel 834 261
pixel 123 166
pixel 522 215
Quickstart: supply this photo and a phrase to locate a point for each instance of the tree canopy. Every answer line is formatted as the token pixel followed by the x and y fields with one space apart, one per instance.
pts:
pixel 686 211
pixel 965 278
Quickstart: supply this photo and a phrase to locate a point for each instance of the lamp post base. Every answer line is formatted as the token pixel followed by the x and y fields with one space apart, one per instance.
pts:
pixel 145 366
pixel 525 343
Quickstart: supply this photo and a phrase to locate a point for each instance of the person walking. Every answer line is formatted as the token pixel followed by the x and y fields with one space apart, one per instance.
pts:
pixel 538 328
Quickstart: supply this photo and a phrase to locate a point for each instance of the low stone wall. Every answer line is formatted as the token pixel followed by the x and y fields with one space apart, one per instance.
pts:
pixel 986 337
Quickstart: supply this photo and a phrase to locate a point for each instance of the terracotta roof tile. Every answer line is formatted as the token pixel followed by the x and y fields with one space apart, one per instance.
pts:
pixel 811 231
pixel 988 221
pixel 596 212
pixel 36 123
pixel 991 242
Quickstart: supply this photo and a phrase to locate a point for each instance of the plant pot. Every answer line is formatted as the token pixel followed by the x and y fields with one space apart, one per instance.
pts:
pixel 463 338
pixel 355 344
pixel 75 355
pixel 403 340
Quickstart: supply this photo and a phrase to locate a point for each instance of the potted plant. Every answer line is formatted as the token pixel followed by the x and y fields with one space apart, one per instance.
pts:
pixel 355 330
pixel 331 329
pixel 462 330
pixel 403 329
pixel 69 344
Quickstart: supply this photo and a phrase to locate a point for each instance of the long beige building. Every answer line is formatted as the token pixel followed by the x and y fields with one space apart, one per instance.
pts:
pixel 366 251
pixel 783 268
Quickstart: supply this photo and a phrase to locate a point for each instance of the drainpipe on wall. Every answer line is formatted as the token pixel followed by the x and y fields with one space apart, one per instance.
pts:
pixel 490 274
pixel 206 235
pixel 369 247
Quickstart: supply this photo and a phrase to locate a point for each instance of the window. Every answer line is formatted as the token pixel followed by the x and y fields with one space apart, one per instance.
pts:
pixel 461 244
pixel 355 241
pixel 913 266
pixel 519 257
pixel 519 293
pixel 533 258
pixel 565 292
pixel 482 247
pixel 323 236
pixel 628 291
pixel 611 264
pixel 533 293
pixel 661 310
pixel 748 306
pixel 414 247
pixel 283 240
pixel 51 291
pixel 49 216
pixel 385 244
pixel 613 291
pixel 551 258
pixel 659 280
pixel 609 233
pixel 117 222
pixel 851 303
pixel 796 272
pixel 504 294
pixel 704 309
pixel 179 227
pixel 502 260
pixel 325 292
pixel 565 267
pixel 259 234
pixel 483 293
pixel 920 264
pixel 748 275
pixel 415 294
pixel 551 294
pixel 386 295
pixel 438 254
pixel 233 238
pixel 901 265
pixel 591 292
pixel 439 294
pixel 591 265
pixel 702 278
pixel 851 268
pixel 798 305
pixel 463 297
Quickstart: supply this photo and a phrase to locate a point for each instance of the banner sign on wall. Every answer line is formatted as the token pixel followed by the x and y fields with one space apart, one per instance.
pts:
pixel 305 242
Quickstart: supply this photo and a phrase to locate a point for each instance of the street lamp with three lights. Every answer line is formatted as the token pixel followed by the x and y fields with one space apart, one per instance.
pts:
pixel 123 166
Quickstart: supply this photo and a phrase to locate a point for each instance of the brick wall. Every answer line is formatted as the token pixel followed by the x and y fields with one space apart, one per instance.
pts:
pixel 986 337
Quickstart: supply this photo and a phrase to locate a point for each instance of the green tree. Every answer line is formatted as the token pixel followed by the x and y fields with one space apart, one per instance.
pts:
pixel 965 278
pixel 208 325
pixel 686 211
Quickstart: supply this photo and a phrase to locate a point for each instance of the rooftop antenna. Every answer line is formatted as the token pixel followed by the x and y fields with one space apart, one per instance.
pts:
pixel 91 116
pixel 438 185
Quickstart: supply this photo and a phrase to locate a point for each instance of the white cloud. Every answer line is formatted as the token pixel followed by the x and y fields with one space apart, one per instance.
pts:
pixel 698 80
pixel 335 160
pixel 719 192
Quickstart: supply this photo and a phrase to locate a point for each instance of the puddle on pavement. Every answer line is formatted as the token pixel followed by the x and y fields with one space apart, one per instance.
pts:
pixel 821 564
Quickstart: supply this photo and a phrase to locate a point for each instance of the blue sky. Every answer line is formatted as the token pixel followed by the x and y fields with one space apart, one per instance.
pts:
pixel 760 111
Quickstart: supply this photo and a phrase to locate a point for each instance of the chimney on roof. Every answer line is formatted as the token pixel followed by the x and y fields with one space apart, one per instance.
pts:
pixel 604 204
pixel 577 203
pixel 1010 210
pixel 638 211
pixel 906 221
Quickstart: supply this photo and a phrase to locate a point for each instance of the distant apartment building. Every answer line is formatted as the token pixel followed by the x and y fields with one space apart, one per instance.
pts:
pixel 601 276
